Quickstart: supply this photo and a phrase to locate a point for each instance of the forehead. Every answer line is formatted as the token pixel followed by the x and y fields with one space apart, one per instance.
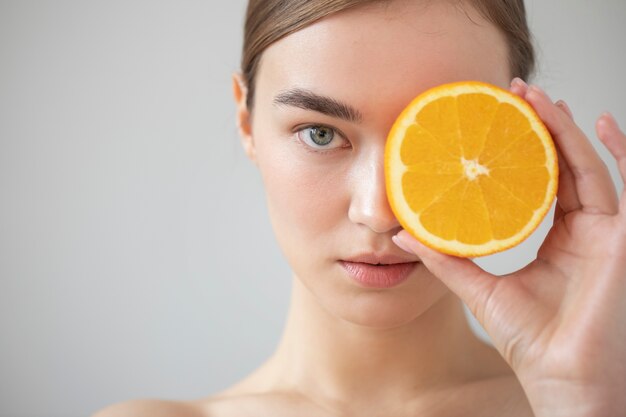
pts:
pixel 385 53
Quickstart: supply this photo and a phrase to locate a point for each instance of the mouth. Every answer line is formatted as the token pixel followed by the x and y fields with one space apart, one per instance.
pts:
pixel 380 259
pixel 379 274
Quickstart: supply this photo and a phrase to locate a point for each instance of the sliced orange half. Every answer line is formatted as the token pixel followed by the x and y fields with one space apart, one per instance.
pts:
pixel 470 169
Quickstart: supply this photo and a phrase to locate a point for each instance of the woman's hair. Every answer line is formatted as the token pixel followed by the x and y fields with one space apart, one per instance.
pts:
pixel 270 20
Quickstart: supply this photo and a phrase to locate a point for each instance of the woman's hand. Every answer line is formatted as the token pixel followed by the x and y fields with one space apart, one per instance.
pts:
pixel 560 322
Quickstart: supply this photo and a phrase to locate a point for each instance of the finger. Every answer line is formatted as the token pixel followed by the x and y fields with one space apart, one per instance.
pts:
pixel 591 176
pixel 563 106
pixel 567 195
pixel 558 213
pixel 614 139
pixel 518 87
pixel 463 277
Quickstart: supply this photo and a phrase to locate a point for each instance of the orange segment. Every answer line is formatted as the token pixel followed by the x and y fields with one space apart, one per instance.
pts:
pixel 441 218
pixel 527 184
pixel 479 230
pixel 508 214
pixel 526 150
pixel 440 119
pixel 419 197
pixel 474 129
pixel 419 145
pixel 508 127
pixel 470 169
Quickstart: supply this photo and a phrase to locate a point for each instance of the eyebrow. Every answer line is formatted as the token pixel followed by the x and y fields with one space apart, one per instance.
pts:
pixel 308 100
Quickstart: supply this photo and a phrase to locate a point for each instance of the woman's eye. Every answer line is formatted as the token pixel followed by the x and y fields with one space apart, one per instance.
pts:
pixel 321 137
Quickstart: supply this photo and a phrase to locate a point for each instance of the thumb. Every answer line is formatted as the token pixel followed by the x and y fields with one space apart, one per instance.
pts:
pixel 468 281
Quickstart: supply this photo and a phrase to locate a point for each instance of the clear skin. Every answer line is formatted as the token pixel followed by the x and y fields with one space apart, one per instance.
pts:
pixel 558 325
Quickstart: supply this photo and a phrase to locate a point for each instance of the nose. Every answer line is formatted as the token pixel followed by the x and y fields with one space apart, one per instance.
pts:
pixel 369 205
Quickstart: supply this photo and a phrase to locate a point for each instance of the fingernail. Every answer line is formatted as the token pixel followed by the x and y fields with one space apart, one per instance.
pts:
pixel 608 116
pixel 396 239
pixel 518 81
pixel 533 89
pixel 563 106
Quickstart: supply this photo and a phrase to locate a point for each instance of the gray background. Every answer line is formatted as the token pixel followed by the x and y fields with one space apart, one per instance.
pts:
pixel 136 257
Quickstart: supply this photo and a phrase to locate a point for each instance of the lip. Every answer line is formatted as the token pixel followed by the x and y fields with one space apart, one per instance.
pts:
pixel 382 258
pixel 386 275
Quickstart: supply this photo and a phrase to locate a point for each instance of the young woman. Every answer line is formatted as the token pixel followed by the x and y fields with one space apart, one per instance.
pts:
pixel 322 81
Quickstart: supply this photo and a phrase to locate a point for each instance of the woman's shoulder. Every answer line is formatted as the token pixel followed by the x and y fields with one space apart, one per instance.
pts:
pixel 235 405
pixel 270 403
pixel 156 408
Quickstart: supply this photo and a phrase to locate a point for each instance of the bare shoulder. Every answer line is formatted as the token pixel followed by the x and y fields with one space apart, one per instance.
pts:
pixel 240 405
pixel 254 404
pixel 154 408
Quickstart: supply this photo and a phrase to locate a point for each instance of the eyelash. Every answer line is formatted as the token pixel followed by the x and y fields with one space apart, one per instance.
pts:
pixel 337 135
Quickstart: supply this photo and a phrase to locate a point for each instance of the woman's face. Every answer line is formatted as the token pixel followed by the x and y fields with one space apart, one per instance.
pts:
pixel 322 164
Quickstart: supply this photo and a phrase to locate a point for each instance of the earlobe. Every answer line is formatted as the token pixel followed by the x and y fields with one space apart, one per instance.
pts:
pixel 240 92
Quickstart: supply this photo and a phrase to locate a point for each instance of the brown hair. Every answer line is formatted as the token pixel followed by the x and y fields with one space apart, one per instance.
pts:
pixel 270 20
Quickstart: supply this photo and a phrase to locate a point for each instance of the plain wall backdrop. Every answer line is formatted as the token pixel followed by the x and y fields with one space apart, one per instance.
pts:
pixel 136 256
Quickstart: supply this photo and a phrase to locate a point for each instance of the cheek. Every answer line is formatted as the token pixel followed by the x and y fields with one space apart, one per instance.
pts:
pixel 306 193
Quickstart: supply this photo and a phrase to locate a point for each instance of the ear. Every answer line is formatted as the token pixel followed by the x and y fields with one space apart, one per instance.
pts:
pixel 240 91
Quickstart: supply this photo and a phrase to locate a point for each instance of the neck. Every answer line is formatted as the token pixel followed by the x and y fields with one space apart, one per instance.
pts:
pixel 323 353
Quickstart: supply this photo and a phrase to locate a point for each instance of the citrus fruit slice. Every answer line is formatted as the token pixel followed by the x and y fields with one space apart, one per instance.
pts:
pixel 470 169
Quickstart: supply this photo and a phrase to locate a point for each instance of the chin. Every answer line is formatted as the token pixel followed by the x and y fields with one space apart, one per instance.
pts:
pixel 383 308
